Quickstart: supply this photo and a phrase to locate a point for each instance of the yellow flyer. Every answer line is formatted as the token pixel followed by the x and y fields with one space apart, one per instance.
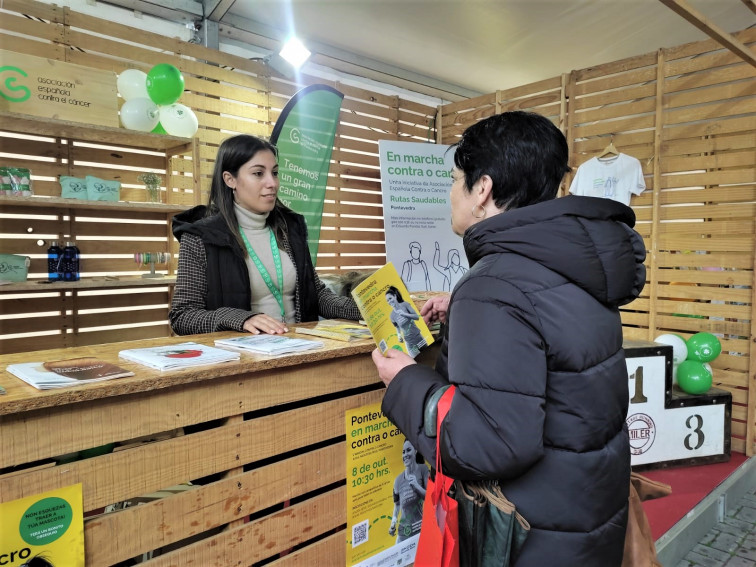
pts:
pixel 390 314
pixel 45 530
pixel 386 483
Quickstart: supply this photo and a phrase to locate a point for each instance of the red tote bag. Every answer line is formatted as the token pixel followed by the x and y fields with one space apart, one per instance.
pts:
pixel 438 545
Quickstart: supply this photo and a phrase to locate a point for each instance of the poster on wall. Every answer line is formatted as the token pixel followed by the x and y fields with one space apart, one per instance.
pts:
pixel 386 482
pixel 415 183
pixel 46 529
pixel 55 89
pixel 304 134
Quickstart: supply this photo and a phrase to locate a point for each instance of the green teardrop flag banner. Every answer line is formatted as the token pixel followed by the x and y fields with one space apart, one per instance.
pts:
pixel 304 136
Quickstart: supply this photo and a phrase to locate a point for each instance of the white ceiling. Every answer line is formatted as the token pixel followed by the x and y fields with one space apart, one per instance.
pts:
pixel 481 45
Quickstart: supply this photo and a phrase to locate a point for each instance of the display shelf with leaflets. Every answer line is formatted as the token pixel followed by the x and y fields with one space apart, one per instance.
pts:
pixel 110 297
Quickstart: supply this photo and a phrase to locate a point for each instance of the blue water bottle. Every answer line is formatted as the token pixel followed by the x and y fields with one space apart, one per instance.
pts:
pixel 54 268
pixel 70 262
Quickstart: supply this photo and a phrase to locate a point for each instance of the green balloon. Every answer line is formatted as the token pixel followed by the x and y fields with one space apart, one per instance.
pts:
pixel 693 377
pixel 159 129
pixel 703 347
pixel 165 84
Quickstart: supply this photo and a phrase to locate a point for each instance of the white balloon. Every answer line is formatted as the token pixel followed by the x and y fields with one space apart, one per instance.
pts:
pixel 139 114
pixel 679 348
pixel 708 367
pixel 179 120
pixel 132 83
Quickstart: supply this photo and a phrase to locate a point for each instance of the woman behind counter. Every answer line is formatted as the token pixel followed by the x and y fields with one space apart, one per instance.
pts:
pixel 533 345
pixel 244 263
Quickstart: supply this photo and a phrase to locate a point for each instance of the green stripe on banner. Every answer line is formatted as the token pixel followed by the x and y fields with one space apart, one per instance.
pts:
pixel 304 136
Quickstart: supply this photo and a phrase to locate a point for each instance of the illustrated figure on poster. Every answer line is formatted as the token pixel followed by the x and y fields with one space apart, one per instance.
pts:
pixel 415 270
pixel 403 316
pixel 453 270
pixel 409 494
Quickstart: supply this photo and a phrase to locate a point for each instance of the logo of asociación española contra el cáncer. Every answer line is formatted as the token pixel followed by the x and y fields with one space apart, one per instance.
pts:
pixel 9 85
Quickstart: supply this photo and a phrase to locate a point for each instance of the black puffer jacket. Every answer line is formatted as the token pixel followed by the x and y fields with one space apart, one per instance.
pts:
pixel 534 345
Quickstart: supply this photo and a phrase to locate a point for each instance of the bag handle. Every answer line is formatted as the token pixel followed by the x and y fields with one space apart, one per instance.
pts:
pixel 443 408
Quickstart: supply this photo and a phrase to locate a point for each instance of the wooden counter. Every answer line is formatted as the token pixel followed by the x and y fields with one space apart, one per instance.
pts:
pixel 272 432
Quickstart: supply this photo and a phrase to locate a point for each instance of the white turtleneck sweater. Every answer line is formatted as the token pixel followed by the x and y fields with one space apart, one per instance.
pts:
pixel 263 301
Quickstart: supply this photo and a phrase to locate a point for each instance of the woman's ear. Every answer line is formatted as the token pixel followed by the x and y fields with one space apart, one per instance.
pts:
pixel 483 190
pixel 229 179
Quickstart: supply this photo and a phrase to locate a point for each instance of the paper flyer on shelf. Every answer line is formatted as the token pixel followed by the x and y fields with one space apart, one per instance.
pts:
pixel 337 330
pixel 390 314
pixel 62 373
pixel 44 529
pixel 385 491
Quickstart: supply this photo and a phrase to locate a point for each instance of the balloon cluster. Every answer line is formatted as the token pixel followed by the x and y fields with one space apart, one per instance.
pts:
pixel 150 102
pixel 690 359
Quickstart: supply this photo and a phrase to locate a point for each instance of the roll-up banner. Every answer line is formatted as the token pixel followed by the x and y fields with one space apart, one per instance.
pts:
pixel 304 136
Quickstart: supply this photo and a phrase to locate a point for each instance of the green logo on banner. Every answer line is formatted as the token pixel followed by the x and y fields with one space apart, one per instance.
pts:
pixel 304 136
pixel 8 85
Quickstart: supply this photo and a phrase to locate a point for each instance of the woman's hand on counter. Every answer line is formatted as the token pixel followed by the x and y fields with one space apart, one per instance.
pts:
pixel 262 323
pixel 389 366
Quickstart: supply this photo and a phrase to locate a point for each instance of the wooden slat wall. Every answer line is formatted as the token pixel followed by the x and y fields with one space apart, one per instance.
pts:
pixel 689 115
pixel 230 95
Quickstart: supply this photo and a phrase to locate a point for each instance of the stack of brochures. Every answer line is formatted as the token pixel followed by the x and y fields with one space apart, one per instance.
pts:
pixel 182 355
pixel 62 373
pixel 337 330
pixel 272 345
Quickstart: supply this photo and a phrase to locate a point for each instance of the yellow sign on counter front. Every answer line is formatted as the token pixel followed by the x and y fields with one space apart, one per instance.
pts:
pixel 47 528
pixel 386 481
pixel 55 89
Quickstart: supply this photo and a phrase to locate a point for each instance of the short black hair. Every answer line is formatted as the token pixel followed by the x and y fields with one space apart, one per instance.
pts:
pixel 523 153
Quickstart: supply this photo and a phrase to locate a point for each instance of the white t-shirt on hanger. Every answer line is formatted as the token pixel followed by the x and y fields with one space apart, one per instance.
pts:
pixel 616 178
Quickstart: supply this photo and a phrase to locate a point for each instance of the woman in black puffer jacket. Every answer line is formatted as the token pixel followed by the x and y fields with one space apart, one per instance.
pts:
pixel 533 344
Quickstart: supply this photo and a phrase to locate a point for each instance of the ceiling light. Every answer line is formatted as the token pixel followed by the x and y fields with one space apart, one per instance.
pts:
pixel 295 52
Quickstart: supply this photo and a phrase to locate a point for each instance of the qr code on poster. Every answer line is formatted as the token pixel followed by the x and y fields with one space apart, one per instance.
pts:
pixel 359 533
pixel 382 346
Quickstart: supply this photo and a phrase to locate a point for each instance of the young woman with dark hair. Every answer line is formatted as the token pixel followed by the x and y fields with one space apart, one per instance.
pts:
pixel 244 263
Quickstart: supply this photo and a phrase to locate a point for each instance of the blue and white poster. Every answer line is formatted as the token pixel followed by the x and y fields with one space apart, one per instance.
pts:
pixel 416 180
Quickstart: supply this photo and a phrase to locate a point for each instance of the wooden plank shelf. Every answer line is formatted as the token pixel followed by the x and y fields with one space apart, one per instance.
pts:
pixel 83 204
pixel 79 131
pixel 131 226
pixel 87 283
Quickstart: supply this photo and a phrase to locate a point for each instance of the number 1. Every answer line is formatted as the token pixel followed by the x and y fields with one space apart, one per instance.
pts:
pixel 638 398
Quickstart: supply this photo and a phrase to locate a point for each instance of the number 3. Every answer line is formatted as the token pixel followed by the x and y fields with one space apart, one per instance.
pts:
pixel 697 430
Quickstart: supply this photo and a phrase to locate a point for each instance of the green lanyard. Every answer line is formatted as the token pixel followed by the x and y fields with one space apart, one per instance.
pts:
pixel 277 293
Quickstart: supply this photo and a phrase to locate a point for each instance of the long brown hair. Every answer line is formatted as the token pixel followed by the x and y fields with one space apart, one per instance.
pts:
pixel 233 153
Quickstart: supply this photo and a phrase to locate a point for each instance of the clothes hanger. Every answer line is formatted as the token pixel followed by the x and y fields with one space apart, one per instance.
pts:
pixel 609 150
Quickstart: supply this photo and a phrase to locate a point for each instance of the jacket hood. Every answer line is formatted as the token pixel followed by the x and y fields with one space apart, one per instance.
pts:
pixel 210 229
pixel 588 240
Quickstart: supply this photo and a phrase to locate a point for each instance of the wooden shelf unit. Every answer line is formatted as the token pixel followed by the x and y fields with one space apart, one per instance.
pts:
pixel 87 283
pixel 95 309
pixel 86 205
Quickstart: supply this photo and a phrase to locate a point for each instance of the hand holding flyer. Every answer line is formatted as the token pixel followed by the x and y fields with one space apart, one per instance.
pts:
pixel 393 320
